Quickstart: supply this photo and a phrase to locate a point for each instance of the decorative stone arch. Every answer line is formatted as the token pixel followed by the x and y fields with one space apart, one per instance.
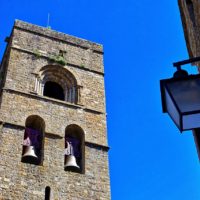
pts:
pixel 64 79
pixel 38 69
pixel 36 122
pixel 33 144
pixel 74 147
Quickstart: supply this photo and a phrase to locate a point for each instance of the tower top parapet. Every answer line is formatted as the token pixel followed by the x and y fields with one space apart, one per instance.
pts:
pixel 58 36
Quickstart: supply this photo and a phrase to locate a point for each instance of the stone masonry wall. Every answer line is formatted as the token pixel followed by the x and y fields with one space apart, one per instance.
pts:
pixel 21 72
pixel 20 76
pixel 21 181
pixel 76 55
pixel 30 48
pixel 190 16
pixel 57 115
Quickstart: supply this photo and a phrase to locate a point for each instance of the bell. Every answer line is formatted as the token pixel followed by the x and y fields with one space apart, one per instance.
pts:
pixel 29 152
pixel 70 163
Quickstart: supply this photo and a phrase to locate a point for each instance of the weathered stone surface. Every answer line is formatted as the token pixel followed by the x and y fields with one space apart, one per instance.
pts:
pixel 190 17
pixel 30 49
pixel 23 179
pixel 57 116
pixel 57 35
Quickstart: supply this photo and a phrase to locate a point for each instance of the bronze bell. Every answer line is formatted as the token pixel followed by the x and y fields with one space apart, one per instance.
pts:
pixel 70 162
pixel 29 152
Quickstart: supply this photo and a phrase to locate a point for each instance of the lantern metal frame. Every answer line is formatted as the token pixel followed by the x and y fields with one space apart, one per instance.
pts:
pixel 164 86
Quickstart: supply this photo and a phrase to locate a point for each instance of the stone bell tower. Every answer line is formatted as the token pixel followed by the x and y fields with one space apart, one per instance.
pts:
pixel 53 142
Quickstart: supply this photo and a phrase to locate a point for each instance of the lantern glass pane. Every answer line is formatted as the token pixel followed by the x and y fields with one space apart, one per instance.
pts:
pixel 186 94
pixel 171 109
pixel 191 121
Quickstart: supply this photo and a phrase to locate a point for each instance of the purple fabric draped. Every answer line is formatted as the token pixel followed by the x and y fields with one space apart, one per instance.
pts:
pixel 32 138
pixel 72 147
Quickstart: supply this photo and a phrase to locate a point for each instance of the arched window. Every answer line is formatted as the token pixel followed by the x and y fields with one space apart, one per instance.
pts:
pixel 58 83
pixel 74 149
pixel 47 193
pixel 32 151
pixel 53 90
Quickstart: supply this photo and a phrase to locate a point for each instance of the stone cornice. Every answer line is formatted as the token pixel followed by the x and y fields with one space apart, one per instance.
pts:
pixel 55 101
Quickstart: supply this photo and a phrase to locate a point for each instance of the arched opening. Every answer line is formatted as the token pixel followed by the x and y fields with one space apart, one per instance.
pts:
pixel 58 83
pixel 53 90
pixel 47 193
pixel 32 151
pixel 74 149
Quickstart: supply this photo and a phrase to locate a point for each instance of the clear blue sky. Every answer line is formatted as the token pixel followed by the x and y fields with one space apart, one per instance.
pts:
pixel 149 158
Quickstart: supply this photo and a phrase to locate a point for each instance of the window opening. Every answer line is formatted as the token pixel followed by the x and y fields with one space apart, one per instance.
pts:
pixel 58 83
pixel 74 149
pixel 31 146
pixel 47 193
pixel 72 154
pixel 33 140
pixel 53 90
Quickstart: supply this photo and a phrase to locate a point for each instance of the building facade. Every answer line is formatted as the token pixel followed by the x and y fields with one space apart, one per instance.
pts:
pixel 190 16
pixel 53 137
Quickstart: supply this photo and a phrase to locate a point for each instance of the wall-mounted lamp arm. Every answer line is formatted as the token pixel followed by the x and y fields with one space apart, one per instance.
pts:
pixel 184 62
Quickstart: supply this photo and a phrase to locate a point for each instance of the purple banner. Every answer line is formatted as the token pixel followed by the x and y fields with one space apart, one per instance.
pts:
pixel 32 138
pixel 72 146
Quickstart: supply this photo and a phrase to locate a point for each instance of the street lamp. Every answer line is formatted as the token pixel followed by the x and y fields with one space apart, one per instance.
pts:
pixel 181 99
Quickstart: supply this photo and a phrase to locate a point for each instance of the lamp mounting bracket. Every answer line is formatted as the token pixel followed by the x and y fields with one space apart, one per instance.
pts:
pixel 184 62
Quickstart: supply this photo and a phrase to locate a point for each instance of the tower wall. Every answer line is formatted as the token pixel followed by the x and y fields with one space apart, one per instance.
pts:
pixel 190 16
pixel 30 49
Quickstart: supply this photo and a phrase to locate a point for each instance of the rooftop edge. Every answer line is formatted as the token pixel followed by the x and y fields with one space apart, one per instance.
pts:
pixel 58 35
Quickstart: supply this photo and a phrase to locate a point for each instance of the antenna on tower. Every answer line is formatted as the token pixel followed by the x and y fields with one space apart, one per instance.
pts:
pixel 48 20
